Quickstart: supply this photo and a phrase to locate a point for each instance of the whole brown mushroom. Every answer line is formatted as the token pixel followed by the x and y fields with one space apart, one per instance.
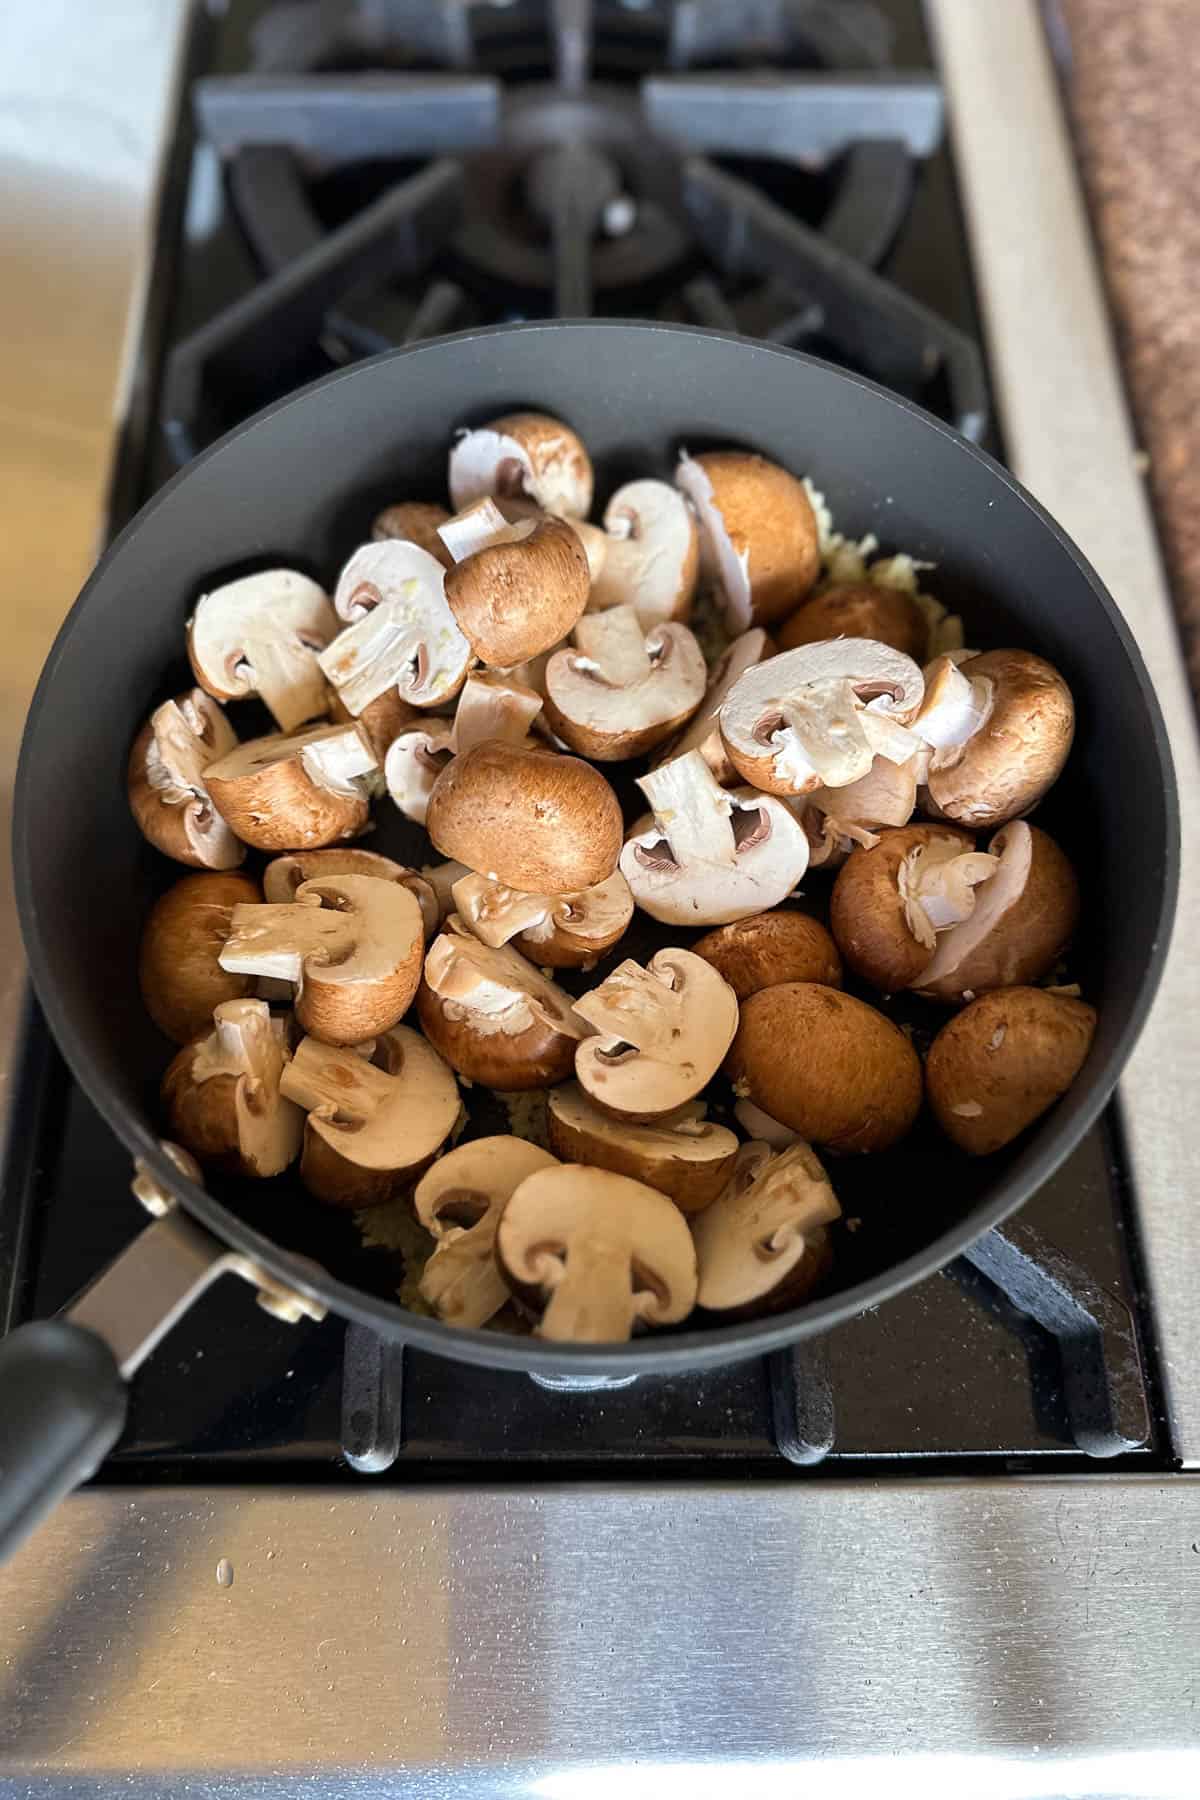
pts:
pixel 772 947
pixel 178 971
pixel 1001 1062
pixel 860 609
pixel 1001 726
pixel 513 600
pixel 416 521
pixel 758 532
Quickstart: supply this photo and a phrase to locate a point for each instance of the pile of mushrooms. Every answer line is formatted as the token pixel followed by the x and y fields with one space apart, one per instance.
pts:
pixel 727 817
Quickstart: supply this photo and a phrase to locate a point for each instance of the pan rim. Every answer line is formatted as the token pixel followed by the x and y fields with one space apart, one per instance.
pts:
pixel 709 1346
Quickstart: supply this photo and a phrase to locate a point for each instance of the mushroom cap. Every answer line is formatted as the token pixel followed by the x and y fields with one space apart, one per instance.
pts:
pixel 651 554
pixel 167 792
pixel 758 533
pixel 703 730
pixel 600 1252
pixel 403 638
pixel 530 819
pixel 514 600
pixel 493 1016
pixel 828 1066
pixel 283 878
pixel 765 1228
pixel 1000 1063
pixel 1022 921
pixel 771 948
pixel 222 1095
pixel 684 1155
pixel 178 972
pixel 868 913
pixel 296 792
pixel 1007 766
pixel 523 453
pixel 556 931
pixel 460 1201
pixel 621 690
pixel 261 635
pixel 416 522
pixel 383 719
pixel 859 609
pixel 660 1034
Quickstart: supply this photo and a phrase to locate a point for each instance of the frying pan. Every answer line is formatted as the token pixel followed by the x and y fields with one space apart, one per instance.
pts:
pixel 299 484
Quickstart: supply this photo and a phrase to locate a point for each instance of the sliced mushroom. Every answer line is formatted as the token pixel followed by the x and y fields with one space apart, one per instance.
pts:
pixel 261 635
pixel 769 948
pixel 403 638
pixel 859 609
pixel 493 1016
pixel 703 731
pixel 1001 1062
pixel 383 720
pixel 556 931
pixel 178 971
pixel 818 716
pixel 490 708
pixel 890 900
pixel 514 599
pixel 661 1033
pixel 854 1086
pixel 712 854
pixel 762 1245
pixel 1001 727
pixel 759 540
pixel 651 557
pixel 283 878
pixel 531 819
pixel 683 1154
pixel 351 943
pixel 297 792
pixel 621 690
pixel 460 1202
pixel 222 1093
pixel 441 878
pixel 596 1254
pixel 838 819
pixel 416 522
pixel 525 454
pixel 374 1123
pixel 167 791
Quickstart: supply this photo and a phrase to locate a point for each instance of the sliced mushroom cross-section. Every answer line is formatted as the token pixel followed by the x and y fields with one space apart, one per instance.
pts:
pixel 762 1244
pixel 621 690
pixel 661 1033
pixel 651 556
pixel 403 638
pixel 223 1097
pixel 167 791
pixel 556 931
pixel 262 635
pixel 461 1201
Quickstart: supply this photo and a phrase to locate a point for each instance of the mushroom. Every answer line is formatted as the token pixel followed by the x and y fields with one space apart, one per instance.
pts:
pixel 516 598
pixel 818 716
pixel 222 1093
pixel 769 948
pixel 556 931
pixel 762 1128
pixel 261 635
pixel 759 540
pixel 890 900
pixel 283 878
pixel 460 1202
pixel 651 554
pixel 762 1245
pixel 167 792
pixel 297 792
pixel 530 819
pixel 178 971
pixel 441 878
pixel 1000 726
pixel 383 719
pixel 374 1123
pixel 351 943
pixel 828 1066
pixel 403 637
pixel 596 1254
pixel 660 1034
pixel 703 731
pixel 493 1016
pixel 836 819
pixel 525 454
pixel 622 690
pixel 415 759
pixel 859 609
pixel 683 1155
pixel 1001 1062
pixel 712 854
pixel 415 522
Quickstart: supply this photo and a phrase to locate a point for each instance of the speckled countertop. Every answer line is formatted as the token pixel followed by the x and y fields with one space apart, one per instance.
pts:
pixel 1133 74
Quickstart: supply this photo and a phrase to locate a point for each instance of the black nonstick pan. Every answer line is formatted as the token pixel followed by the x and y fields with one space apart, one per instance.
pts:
pixel 300 484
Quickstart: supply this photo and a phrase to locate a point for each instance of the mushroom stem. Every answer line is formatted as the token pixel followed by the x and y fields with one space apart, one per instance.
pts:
pixel 289 681
pixel 937 886
pixel 828 741
pixel 335 1083
pixel 338 759
pixel 691 809
pixel 612 646
pixel 480 525
pixel 275 940
pixel 591 1294
pixel 955 706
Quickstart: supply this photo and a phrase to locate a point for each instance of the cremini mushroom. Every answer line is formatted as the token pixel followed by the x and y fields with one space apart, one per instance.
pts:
pixel 262 635
pixel 769 948
pixel 660 1034
pixel 402 638
pixel 596 1254
pixel 460 1202
pixel 295 792
pixel 178 969
pixel 818 716
pixel 351 943
pixel 530 819
pixel 523 454
pixel 491 707
pixel 651 555
pixel 383 719
pixel 222 1093
pixel 621 689
pixel 493 1016
pixel 441 878
pixel 374 1123
pixel 763 1245
pixel 283 877
pixel 167 791
pixel 1001 1062
pixel 759 539
pixel 415 759
pixel 891 900
pixel 556 931
pixel 859 609
pixel 1000 726
pixel 827 1065
pixel 416 522
pixel 710 854
pixel 683 1154
pixel 703 730
pixel 516 598
pixel 838 819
